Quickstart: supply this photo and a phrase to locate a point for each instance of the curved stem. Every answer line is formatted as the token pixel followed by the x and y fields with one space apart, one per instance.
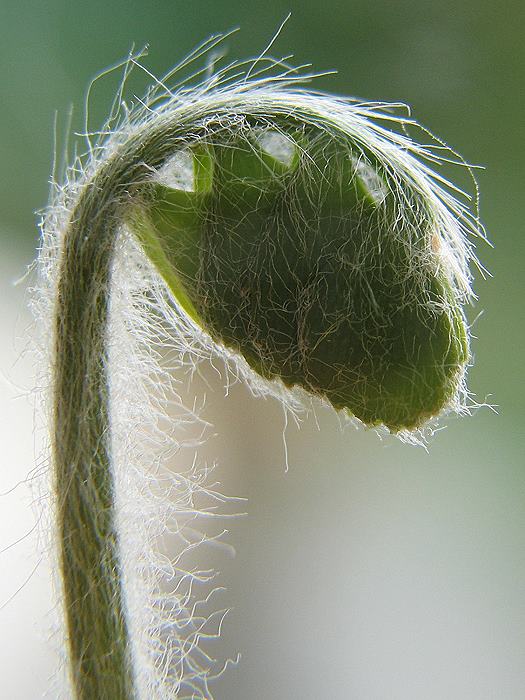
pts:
pixel 94 602
pixel 94 605
pixel 100 654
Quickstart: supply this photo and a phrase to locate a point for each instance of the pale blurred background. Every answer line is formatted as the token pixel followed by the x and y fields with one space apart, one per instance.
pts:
pixel 370 570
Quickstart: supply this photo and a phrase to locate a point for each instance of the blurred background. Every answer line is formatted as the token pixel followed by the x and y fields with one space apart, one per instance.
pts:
pixel 370 570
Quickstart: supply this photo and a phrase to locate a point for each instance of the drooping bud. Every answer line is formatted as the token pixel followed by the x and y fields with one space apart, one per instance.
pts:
pixel 318 263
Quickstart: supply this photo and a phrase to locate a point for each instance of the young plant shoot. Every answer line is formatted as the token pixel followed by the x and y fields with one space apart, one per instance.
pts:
pixel 306 239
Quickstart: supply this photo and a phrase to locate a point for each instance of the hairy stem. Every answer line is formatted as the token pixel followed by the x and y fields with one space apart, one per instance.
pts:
pixel 98 637
pixel 96 624
pixel 100 657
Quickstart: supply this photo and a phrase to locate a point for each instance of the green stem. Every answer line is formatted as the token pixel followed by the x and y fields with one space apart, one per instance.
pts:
pixel 92 584
pixel 94 603
pixel 98 637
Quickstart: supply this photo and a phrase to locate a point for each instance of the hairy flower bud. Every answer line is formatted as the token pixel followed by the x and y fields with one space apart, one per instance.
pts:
pixel 308 254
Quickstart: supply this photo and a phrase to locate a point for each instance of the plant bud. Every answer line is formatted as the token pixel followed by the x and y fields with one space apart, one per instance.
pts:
pixel 317 263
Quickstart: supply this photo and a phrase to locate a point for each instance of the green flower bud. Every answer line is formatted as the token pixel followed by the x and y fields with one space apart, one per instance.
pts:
pixel 316 261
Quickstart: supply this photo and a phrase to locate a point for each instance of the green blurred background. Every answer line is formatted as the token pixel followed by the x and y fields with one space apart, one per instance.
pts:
pixel 371 570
